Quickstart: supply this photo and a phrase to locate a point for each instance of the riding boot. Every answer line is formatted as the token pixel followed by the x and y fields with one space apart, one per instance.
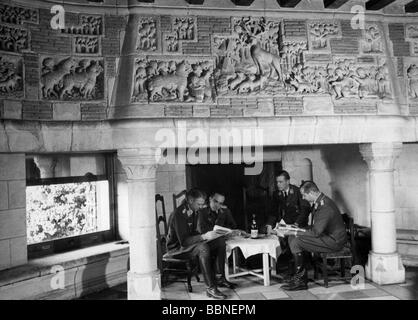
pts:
pixel 300 279
pixel 209 277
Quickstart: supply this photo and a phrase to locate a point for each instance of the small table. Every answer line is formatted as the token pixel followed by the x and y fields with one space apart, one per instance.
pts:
pixel 269 246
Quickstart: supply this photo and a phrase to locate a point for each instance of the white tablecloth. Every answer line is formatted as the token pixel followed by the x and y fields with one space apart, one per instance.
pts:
pixel 250 247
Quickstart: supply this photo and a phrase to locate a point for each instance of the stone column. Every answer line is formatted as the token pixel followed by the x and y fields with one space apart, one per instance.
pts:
pixel 384 265
pixel 144 282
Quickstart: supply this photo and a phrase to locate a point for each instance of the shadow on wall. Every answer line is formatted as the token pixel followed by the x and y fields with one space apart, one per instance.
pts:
pixel 349 180
pixel 94 277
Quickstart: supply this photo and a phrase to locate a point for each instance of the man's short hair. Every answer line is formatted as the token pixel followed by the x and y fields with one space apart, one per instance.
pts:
pixel 212 194
pixel 309 186
pixel 195 194
pixel 284 173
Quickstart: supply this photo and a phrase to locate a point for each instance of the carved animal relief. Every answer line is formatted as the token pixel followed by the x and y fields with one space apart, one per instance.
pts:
pixel 11 76
pixel 13 39
pixel 185 28
pixel 172 80
pixel 88 25
pixel 72 79
pixel 86 45
pixel 320 33
pixel 17 15
pixel 147 35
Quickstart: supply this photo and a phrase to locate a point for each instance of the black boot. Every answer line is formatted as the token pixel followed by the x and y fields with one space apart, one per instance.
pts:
pixel 300 279
pixel 222 282
pixel 209 277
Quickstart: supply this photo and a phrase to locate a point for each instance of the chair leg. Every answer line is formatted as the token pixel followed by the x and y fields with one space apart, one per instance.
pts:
pixel 342 267
pixel 325 271
pixel 189 277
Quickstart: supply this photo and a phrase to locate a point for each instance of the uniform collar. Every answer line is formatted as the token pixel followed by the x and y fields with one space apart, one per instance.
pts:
pixel 319 201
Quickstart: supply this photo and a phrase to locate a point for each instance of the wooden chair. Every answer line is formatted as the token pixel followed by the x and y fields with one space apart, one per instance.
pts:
pixel 168 265
pixel 320 260
pixel 178 199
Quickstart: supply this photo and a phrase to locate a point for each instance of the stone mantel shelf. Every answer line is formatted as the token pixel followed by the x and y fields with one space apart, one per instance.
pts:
pixel 218 8
pixel 31 136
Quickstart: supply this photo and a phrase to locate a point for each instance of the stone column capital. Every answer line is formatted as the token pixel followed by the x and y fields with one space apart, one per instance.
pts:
pixel 380 156
pixel 46 165
pixel 139 163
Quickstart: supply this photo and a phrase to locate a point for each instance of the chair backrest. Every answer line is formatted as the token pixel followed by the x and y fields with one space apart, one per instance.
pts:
pixel 161 238
pixel 178 199
pixel 349 226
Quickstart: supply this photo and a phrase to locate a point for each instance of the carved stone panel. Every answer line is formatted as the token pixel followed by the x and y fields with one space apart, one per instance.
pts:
pixel 372 40
pixel 320 32
pixel 185 28
pixel 171 44
pixel 159 79
pixel 86 45
pixel 248 61
pixel 412 79
pixel 11 76
pixel 18 15
pixel 412 36
pixel 73 79
pixel 91 25
pixel 148 35
pixel 13 39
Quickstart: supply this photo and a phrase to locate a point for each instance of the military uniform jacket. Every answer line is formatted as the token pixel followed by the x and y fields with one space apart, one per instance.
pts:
pixel 207 219
pixel 327 223
pixel 182 237
pixel 292 209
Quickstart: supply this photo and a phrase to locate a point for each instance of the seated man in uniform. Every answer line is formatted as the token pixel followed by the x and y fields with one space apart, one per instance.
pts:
pixel 326 234
pixel 184 240
pixel 215 214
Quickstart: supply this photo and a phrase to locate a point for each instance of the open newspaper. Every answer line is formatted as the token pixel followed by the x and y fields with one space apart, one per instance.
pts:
pixel 222 230
pixel 282 226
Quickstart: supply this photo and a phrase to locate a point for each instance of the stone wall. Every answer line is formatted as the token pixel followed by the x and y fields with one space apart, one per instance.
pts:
pixel 13 250
pixel 134 65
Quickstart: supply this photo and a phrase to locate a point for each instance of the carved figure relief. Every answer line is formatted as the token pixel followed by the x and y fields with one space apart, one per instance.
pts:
pixel 372 40
pixel 185 28
pixel 13 39
pixel 412 36
pixel 147 35
pixel 292 53
pixel 171 43
pixel 18 15
pixel 72 79
pixel 11 76
pixel 320 33
pixel 172 80
pixel 85 44
pixel 412 74
pixel 88 25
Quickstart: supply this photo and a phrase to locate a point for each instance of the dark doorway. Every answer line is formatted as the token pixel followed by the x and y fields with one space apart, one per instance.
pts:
pixel 242 191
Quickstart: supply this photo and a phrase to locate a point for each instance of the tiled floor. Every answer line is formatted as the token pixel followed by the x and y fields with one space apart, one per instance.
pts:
pixel 251 288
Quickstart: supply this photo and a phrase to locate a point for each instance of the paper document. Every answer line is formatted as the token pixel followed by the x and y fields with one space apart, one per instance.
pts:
pixel 221 230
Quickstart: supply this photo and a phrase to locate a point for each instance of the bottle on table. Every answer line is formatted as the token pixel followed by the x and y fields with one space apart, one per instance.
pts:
pixel 254 228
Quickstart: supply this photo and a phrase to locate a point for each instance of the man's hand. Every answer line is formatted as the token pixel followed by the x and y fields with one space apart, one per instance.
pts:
pixel 210 235
pixel 269 229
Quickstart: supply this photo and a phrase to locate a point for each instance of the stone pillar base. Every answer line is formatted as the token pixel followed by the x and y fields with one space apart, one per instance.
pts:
pixel 385 268
pixel 144 286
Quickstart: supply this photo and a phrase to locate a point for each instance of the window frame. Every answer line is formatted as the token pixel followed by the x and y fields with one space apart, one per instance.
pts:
pixel 37 250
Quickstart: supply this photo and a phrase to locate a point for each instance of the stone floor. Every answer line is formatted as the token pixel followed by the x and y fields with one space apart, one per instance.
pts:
pixel 250 288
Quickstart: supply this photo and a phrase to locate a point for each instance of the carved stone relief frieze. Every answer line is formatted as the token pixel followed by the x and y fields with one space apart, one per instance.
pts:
pixel 18 15
pixel 412 37
pixel 320 32
pixel 185 28
pixel 13 39
pixel 72 78
pixel 148 35
pixel 86 45
pixel 159 79
pixel 11 76
pixel 91 25
pixel 372 40
pixel 171 44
